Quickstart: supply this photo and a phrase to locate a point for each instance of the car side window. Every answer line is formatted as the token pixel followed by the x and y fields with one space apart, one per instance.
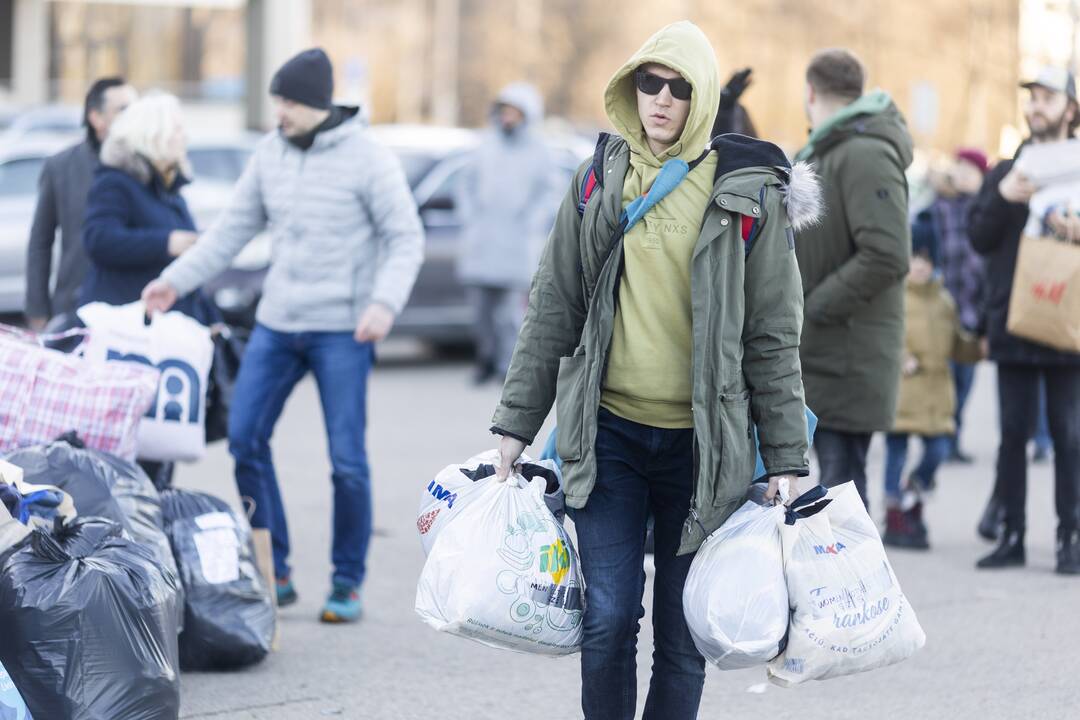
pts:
pixel 20 176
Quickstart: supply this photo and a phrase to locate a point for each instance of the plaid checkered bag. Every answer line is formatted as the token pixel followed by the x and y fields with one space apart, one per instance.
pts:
pixel 45 393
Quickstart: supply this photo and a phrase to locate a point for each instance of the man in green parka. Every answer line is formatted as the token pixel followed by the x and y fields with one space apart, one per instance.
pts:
pixel 853 264
pixel 661 342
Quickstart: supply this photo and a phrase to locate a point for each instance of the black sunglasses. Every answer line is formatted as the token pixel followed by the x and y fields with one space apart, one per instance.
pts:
pixel 651 84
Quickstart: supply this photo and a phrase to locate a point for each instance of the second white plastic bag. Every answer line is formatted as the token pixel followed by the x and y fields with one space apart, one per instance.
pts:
pixel 848 613
pixel 735 599
pixel 505 573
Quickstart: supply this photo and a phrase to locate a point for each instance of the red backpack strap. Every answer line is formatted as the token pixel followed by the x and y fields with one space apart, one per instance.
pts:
pixel 594 176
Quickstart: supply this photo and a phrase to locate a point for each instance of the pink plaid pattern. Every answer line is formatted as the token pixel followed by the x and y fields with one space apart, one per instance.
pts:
pixel 45 393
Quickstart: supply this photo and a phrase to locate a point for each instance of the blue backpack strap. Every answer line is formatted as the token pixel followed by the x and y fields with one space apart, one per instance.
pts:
pixel 594 176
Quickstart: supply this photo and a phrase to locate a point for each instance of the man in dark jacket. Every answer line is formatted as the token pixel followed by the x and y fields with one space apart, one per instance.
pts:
pixel 62 190
pixel 997 221
pixel 853 264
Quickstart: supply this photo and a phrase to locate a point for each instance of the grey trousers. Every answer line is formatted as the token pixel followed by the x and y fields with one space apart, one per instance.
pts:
pixel 498 316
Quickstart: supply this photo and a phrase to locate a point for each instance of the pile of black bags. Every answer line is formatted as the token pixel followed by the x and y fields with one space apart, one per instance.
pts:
pixel 88 621
pixel 99 614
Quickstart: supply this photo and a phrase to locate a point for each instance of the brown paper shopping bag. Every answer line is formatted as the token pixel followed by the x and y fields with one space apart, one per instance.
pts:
pixel 1045 302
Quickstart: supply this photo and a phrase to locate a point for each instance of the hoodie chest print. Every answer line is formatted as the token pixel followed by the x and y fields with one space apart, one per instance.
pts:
pixel 660 225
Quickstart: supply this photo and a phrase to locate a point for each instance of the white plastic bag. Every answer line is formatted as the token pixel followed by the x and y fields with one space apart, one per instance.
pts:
pixel 174 429
pixel 505 573
pixel 451 490
pixel 735 599
pixel 848 614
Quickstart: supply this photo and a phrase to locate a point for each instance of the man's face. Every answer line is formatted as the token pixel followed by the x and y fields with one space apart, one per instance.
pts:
pixel 663 116
pixel 295 118
pixel 1048 113
pixel 115 100
pixel 510 117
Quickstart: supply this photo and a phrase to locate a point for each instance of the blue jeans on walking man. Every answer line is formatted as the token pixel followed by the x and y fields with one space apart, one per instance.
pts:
pixel 639 469
pixel 274 362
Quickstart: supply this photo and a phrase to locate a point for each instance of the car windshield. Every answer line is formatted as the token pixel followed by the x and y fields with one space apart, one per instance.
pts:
pixel 19 176
pixel 417 164
pixel 223 164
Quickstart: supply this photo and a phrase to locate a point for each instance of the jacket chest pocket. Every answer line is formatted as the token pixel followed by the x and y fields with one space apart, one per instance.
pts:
pixel 569 406
pixel 735 440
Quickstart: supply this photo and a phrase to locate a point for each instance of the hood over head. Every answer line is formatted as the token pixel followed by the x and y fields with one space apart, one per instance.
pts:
pixel 526 98
pixel 683 47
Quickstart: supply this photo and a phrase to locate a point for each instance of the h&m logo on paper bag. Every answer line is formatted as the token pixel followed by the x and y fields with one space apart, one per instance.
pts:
pixel 180 394
pixel 1047 290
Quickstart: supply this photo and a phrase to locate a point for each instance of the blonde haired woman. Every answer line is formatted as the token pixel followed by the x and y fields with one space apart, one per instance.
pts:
pixel 136 220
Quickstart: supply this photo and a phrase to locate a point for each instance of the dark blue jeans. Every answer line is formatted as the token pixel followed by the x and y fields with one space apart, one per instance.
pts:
pixel 963 379
pixel 842 458
pixel 935 450
pixel 639 469
pixel 273 363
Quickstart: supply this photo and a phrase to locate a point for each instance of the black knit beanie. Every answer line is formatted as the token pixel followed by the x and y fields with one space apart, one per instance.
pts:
pixel 307 78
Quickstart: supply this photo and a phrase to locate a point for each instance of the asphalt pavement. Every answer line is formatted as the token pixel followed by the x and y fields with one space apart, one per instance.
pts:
pixel 1001 645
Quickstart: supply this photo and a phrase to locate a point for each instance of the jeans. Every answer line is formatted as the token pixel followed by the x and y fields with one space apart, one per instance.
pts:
pixel 1018 398
pixel 1043 441
pixel 274 362
pixel 963 379
pixel 842 458
pixel 935 449
pixel 639 469
pixel 499 312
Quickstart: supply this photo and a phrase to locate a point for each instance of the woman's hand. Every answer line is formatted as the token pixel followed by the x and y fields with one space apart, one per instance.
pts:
pixel 180 241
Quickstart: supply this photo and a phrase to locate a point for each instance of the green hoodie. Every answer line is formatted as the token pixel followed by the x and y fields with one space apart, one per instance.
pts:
pixel 872 103
pixel 649 370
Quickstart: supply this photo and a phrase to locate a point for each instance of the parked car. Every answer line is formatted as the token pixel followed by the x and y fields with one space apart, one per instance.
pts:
pixel 217 164
pixel 434 158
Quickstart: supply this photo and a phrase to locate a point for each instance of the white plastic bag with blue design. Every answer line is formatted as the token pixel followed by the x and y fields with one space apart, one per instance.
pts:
pixel 452 489
pixel 505 573
pixel 848 612
pixel 174 429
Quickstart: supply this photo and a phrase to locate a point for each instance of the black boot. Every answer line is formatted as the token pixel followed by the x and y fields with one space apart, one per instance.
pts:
pixel 1068 552
pixel 1008 553
pixel 992 518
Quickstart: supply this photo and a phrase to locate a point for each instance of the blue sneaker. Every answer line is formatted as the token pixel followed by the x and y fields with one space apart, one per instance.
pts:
pixel 286 592
pixel 343 605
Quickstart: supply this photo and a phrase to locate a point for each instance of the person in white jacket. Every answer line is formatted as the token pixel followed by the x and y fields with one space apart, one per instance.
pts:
pixel 347 246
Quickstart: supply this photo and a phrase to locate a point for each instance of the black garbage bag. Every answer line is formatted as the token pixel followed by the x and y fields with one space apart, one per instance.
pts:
pixel 88 621
pixel 100 485
pixel 228 614
pixel 229 345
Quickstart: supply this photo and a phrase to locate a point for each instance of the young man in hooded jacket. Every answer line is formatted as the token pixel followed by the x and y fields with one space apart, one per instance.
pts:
pixel 659 346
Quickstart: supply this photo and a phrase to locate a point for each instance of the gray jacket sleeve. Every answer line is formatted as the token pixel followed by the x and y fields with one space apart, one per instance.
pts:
pixel 39 251
pixel 243 219
pixel 396 228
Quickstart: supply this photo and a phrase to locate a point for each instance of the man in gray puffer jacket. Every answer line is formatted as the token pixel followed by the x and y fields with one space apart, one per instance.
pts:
pixel 347 246
pixel 507 203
